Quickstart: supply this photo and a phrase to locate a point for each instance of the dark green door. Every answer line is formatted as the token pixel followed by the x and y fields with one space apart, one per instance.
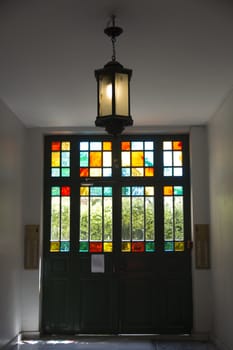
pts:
pixel 116 232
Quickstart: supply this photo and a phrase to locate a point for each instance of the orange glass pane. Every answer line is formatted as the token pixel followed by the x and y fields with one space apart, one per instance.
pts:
pixel 55 159
pixel 149 171
pixel 126 247
pixel 65 191
pixel 84 191
pixel 84 172
pixel 177 145
pixel 55 146
pixel 96 247
pixel 95 159
pixel 179 246
pixel 54 246
pixel 137 159
pixel 108 247
pixel 138 247
pixel 125 146
pixel 65 146
pixel 168 190
pixel 107 146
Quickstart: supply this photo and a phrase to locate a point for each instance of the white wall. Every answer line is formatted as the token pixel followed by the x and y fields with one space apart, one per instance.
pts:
pixel 11 224
pixel 221 196
pixel 33 215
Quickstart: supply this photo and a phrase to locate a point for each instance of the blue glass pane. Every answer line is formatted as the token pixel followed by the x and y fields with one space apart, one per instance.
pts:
pixel 65 159
pixel 84 146
pixel 96 191
pixel 65 246
pixel 137 191
pixel 126 191
pixel 107 191
pixel 178 190
pixel 125 171
pixel 83 159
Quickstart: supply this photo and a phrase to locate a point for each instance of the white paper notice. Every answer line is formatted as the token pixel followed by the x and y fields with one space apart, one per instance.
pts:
pixel 97 263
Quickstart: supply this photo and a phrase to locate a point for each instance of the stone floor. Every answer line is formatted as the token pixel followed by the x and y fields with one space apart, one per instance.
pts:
pixel 116 343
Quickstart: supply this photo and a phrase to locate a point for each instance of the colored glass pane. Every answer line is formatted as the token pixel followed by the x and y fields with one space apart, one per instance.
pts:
pixel 177 145
pixel 84 247
pixel 65 146
pixel 65 191
pixel 149 190
pixel 96 247
pixel 138 247
pixel 137 159
pixel 149 171
pixel 126 247
pixel 149 159
pixel 137 171
pixel 107 247
pixel 65 246
pixel 84 159
pixel 54 246
pixel 168 190
pixel 107 146
pixel 65 159
pixel 96 191
pixel 168 246
pixel 150 247
pixel 84 172
pixel 125 146
pixel 55 191
pixel 179 246
pixel 95 172
pixel 126 191
pixel 55 172
pixel 107 191
pixel 178 190
pixel 95 159
pixel 125 171
pixel 65 172
pixel 55 159
pixel 84 191
pixel 55 146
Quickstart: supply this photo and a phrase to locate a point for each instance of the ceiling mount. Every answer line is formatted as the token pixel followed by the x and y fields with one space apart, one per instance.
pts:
pixel 113 32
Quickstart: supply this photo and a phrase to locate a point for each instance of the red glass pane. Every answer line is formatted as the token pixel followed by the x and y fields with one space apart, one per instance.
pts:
pixel 125 146
pixel 177 145
pixel 56 146
pixel 138 247
pixel 65 191
pixel 96 247
pixel 84 172
pixel 95 159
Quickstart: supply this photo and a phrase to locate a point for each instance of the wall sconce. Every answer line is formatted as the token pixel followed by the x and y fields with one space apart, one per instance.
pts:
pixel 113 91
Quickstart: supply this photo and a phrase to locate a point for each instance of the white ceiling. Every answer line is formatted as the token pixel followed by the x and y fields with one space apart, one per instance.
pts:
pixel 181 53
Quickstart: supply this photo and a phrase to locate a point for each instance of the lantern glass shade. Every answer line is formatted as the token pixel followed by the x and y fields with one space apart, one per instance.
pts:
pixel 122 94
pixel 105 95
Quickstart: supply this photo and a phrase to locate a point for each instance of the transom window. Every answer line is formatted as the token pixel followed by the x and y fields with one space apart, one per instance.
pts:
pixel 129 194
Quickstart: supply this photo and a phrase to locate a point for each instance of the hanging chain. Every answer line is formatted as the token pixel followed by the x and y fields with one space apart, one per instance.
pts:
pixel 113 49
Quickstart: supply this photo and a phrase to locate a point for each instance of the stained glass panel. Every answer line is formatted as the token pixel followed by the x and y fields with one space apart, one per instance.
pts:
pixel 173 218
pixel 95 219
pixel 60 158
pixel 60 219
pixel 95 159
pixel 137 219
pixel 137 158
pixel 173 158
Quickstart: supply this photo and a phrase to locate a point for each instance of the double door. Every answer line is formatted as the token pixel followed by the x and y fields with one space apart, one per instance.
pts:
pixel 116 248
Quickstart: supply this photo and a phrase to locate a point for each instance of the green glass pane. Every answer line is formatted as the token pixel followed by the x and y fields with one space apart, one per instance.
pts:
pixel 178 190
pixel 83 159
pixel 55 172
pixel 65 172
pixel 96 219
pixel 126 218
pixel 168 246
pixel 65 246
pixel 137 191
pixel 55 191
pixel 138 218
pixel 149 158
pixel 65 159
pixel 96 191
pixel 126 191
pixel 168 218
pixel 107 191
pixel 150 246
pixel 83 247
pixel 137 145
pixel 148 145
pixel 84 146
pixel 125 172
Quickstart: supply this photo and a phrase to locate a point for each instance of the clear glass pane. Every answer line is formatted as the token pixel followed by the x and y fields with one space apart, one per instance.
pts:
pixel 168 218
pixel 126 218
pixel 179 218
pixel 107 219
pixel 149 217
pixel 65 218
pixel 105 96
pixel 121 94
pixel 84 218
pixel 96 219
pixel 55 219
pixel 138 223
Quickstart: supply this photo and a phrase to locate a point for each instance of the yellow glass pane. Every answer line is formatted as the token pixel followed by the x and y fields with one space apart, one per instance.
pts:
pixel 149 190
pixel 84 191
pixel 95 159
pixel 125 146
pixel 137 171
pixel 179 246
pixel 149 171
pixel 125 247
pixel 137 159
pixel 107 146
pixel 177 145
pixel 168 190
pixel 54 246
pixel 65 146
pixel 55 159
pixel 125 159
pixel 95 172
pixel 107 247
